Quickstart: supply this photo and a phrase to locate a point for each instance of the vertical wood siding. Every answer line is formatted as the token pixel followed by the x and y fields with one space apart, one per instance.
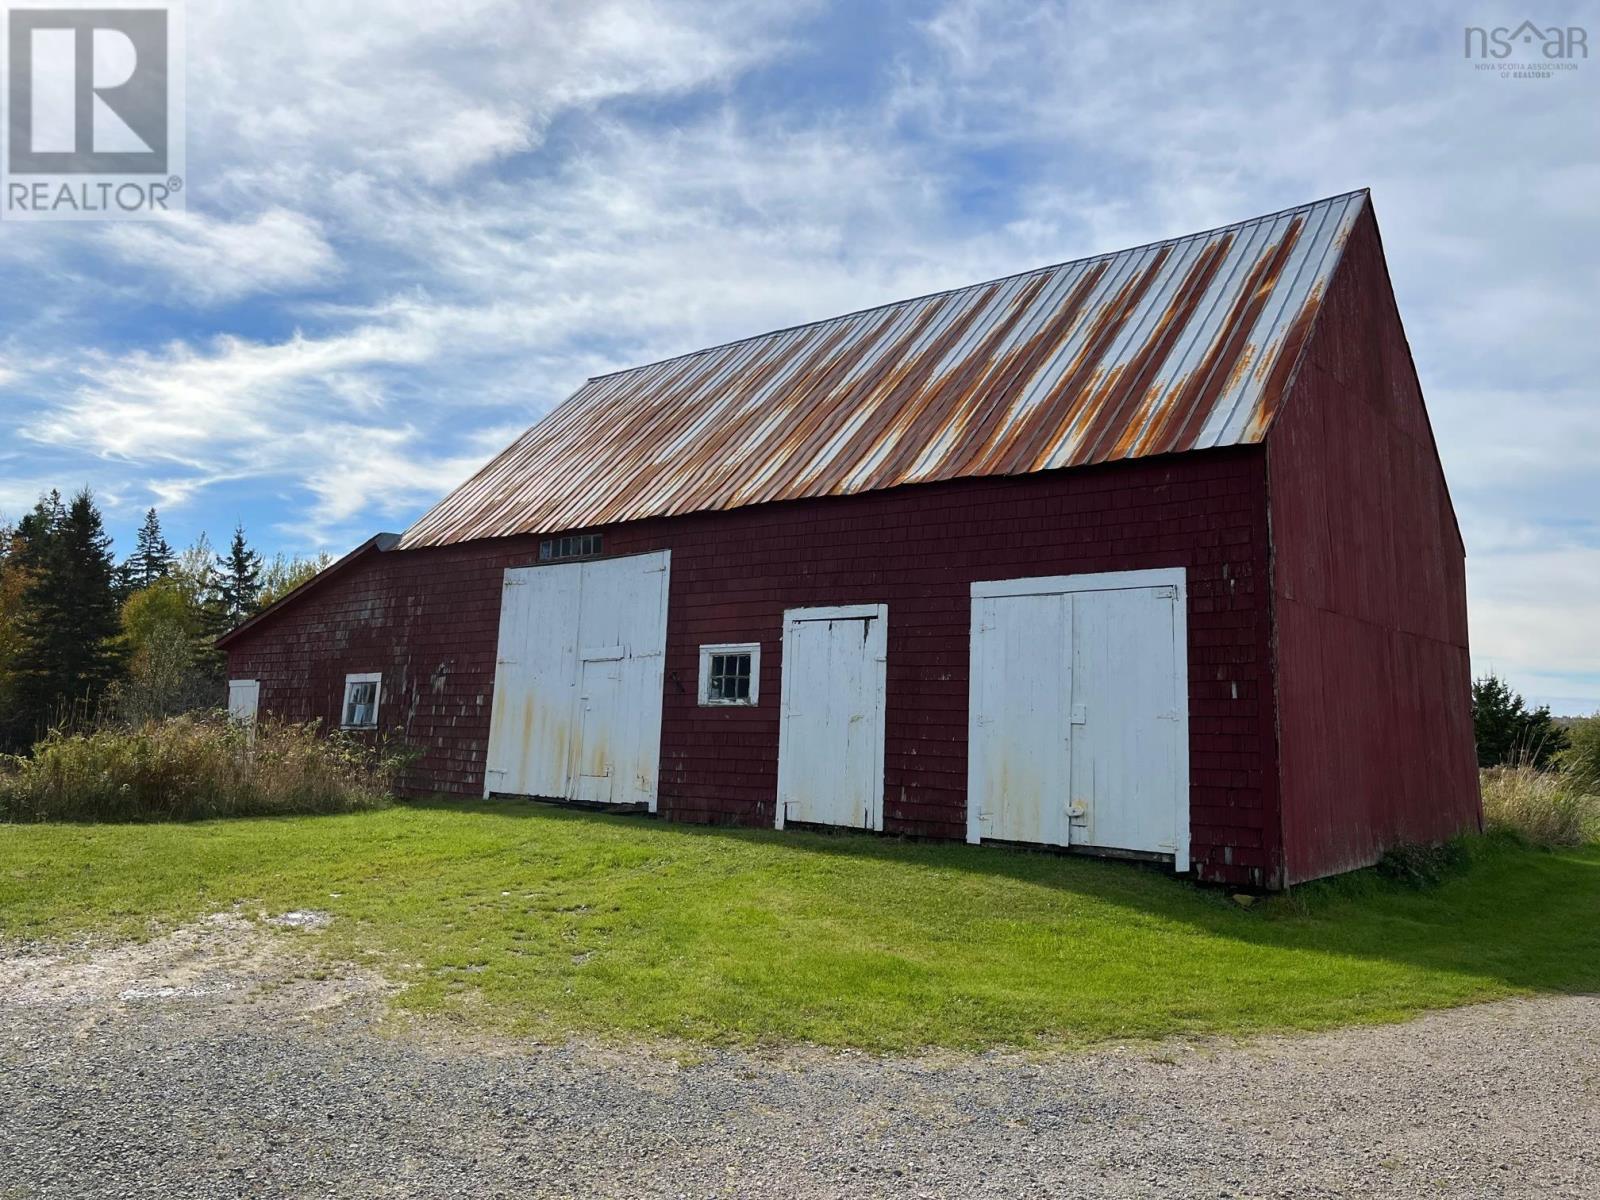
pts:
pixel 428 619
pixel 1373 675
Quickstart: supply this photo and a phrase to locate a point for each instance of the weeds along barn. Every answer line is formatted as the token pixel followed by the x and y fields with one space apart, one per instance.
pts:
pixel 1148 554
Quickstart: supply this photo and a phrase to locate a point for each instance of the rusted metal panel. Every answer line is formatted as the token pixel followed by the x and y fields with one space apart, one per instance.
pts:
pixel 1177 346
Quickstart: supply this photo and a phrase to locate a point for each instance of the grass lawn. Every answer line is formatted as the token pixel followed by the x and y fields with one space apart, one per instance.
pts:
pixel 541 920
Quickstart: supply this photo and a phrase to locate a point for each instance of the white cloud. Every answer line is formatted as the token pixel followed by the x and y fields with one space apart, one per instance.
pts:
pixel 210 260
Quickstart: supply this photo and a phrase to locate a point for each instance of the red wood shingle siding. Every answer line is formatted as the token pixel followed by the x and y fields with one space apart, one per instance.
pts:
pixel 1375 723
pixel 428 619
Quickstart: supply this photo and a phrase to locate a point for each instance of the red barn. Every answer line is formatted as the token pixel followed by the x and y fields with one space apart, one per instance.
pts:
pixel 1148 554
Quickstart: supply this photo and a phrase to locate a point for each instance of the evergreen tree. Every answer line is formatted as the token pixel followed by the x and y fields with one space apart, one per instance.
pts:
pixel 13 580
pixel 1507 731
pixel 152 557
pixel 238 583
pixel 69 617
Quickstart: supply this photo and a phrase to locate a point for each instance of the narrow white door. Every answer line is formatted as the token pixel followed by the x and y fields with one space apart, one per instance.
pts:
pixel 1078 722
pixel 1021 743
pixel 830 731
pixel 244 697
pixel 601 716
pixel 1130 701
pixel 578 681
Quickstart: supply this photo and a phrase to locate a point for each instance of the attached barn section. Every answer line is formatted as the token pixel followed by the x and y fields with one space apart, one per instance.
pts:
pixel 1149 554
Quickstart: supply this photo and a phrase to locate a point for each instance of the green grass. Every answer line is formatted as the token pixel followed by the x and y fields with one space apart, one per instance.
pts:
pixel 539 920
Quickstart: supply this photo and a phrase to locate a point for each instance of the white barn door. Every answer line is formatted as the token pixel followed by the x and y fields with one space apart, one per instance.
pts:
pixel 578 681
pixel 830 729
pixel 1078 722
pixel 1017 762
pixel 244 697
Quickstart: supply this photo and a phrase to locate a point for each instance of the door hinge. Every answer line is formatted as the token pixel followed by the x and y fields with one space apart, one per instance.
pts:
pixel 1080 715
pixel 1167 592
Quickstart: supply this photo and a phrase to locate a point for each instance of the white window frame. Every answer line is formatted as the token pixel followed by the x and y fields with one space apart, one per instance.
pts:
pixel 376 679
pixel 753 649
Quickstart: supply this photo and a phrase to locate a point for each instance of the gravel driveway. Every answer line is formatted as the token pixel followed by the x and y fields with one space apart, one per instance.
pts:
pixel 219 1061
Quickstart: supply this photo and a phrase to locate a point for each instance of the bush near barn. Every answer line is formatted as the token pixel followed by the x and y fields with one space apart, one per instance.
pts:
pixel 193 768
pixel 1540 776
pixel 1544 808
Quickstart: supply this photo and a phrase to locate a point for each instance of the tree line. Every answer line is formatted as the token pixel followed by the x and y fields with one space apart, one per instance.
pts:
pixel 85 638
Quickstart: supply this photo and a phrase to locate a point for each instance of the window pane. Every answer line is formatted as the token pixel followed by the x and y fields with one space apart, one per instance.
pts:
pixel 741 687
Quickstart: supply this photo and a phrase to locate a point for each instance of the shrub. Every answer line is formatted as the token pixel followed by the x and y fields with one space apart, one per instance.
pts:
pixel 1581 758
pixel 1420 864
pixel 1546 808
pixel 191 768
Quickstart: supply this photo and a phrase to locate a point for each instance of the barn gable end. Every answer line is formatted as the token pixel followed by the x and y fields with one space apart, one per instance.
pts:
pixel 1369 606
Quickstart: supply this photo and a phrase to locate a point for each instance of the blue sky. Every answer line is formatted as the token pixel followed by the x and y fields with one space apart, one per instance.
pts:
pixel 413 229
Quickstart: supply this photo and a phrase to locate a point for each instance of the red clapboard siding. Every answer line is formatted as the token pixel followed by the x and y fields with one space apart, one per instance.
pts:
pixel 428 620
pixel 1373 674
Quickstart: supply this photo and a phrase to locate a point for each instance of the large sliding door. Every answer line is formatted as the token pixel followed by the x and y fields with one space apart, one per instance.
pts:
pixel 578 681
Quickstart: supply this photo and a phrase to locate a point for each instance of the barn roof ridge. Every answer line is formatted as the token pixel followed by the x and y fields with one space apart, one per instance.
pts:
pixel 964 287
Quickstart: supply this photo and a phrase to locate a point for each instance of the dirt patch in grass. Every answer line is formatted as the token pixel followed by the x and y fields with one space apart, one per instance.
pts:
pixel 224 960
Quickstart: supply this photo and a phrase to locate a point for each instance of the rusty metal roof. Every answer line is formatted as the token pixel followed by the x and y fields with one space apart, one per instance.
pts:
pixel 1179 345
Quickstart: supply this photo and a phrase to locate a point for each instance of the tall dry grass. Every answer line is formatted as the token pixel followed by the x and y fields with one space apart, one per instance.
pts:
pixel 192 768
pixel 1546 808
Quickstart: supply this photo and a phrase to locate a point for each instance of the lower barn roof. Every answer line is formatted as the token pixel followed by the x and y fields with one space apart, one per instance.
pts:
pixel 1174 346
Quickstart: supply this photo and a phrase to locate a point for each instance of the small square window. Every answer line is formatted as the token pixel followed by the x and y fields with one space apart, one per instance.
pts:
pixel 361 701
pixel 730 674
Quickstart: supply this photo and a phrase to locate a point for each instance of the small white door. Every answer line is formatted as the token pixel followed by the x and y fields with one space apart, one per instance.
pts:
pixel 244 697
pixel 830 731
pixel 578 681
pixel 601 712
pixel 1078 722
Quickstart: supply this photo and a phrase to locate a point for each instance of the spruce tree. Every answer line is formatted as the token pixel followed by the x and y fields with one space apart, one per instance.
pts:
pixel 69 615
pixel 239 580
pixel 152 557
pixel 1508 732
